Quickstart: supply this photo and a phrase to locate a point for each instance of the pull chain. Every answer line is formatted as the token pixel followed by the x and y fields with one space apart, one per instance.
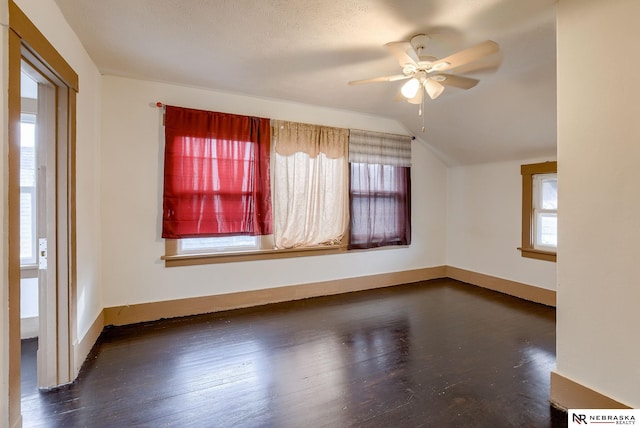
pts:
pixel 422 112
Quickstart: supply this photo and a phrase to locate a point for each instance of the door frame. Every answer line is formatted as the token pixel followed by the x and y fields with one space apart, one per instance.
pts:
pixel 25 37
pixel 53 333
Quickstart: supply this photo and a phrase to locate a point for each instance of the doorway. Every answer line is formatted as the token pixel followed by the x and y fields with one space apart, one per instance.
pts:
pixel 31 53
pixel 29 303
pixel 29 324
pixel 43 193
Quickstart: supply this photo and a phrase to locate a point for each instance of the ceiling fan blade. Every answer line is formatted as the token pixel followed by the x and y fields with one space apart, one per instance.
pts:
pixel 404 53
pixel 466 56
pixel 380 79
pixel 458 81
pixel 488 64
pixel 433 88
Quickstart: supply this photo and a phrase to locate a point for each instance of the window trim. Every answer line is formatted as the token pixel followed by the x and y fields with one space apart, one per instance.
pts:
pixel 528 171
pixel 172 258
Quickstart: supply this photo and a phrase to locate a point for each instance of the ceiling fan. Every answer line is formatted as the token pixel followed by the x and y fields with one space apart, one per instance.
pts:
pixel 426 71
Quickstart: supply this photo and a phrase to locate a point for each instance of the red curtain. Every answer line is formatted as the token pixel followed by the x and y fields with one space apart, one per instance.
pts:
pixel 380 204
pixel 216 174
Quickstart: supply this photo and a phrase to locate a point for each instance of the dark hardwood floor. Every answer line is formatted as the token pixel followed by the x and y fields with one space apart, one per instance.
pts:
pixel 432 354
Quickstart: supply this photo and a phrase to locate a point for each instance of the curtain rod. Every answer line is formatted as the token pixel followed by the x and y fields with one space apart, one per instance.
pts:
pixel 413 137
pixel 159 104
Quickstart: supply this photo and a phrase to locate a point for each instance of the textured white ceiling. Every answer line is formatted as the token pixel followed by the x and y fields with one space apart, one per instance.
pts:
pixel 307 50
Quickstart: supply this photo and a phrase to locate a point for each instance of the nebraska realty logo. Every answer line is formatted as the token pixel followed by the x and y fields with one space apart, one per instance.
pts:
pixel 581 417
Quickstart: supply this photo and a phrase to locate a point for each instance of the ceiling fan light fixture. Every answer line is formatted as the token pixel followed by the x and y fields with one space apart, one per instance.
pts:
pixel 410 89
pixel 417 99
pixel 433 88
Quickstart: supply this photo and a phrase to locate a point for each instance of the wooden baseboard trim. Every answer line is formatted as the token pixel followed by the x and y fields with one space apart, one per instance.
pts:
pixel 83 347
pixel 569 394
pixel 512 288
pixel 130 314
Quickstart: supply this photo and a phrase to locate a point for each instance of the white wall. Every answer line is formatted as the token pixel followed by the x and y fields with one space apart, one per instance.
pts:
pixel 484 223
pixel 131 166
pixel 49 20
pixel 28 297
pixel 29 322
pixel 598 320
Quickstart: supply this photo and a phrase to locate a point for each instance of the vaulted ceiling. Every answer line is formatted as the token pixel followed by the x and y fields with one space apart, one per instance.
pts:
pixel 307 50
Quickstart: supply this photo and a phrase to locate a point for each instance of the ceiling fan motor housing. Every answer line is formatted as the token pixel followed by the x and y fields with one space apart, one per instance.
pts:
pixel 420 42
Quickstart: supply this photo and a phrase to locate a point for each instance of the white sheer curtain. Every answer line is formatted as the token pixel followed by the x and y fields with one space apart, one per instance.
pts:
pixel 311 180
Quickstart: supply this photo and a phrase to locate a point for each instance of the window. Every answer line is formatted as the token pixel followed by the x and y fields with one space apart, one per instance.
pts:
pixel 220 171
pixel 380 212
pixel 223 243
pixel 216 180
pixel 28 181
pixel 311 184
pixel 545 212
pixel 380 189
pixel 539 211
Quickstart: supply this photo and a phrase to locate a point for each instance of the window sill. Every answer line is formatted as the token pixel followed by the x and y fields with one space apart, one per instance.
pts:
pixel 243 256
pixel 532 253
